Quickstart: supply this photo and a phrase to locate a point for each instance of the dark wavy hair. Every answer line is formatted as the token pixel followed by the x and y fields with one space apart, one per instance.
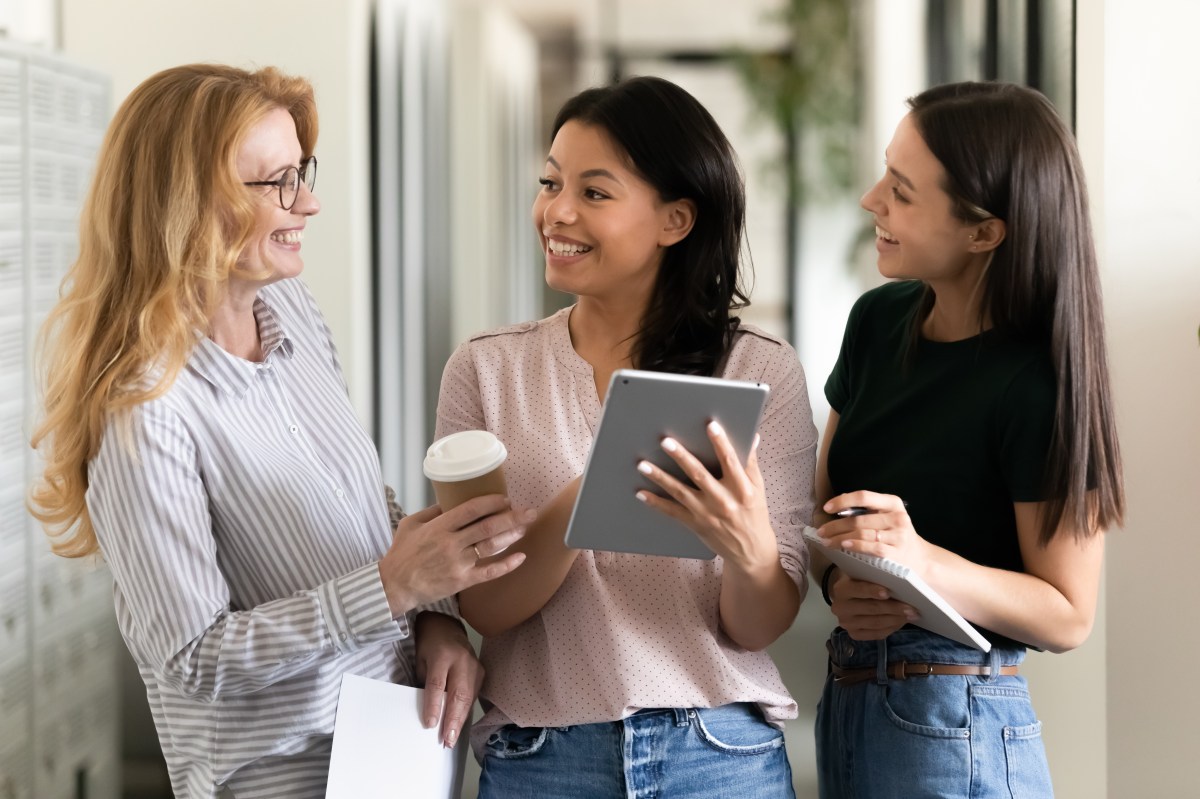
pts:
pixel 674 144
pixel 1008 154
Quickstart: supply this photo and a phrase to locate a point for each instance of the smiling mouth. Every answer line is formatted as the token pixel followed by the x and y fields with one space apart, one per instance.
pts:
pixel 563 249
pixel 880 233
pixel 288 237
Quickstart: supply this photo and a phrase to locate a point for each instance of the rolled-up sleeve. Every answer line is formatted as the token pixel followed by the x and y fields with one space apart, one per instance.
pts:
pixel 787 449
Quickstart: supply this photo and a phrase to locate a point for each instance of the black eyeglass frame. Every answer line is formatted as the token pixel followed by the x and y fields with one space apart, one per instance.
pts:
pixel 306 173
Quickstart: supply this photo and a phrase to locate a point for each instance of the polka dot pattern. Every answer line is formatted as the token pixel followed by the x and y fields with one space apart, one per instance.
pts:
pixel 623 632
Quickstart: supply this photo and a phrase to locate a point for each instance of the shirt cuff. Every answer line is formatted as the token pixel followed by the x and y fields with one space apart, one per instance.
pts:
pixel 447 607
pixel 356 610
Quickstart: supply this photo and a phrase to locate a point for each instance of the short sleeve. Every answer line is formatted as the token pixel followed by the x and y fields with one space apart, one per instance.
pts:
pixel 459 407
pixel 788 442
pixel 838 385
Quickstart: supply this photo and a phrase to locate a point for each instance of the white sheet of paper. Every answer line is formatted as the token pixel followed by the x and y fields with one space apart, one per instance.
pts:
pixel 381 751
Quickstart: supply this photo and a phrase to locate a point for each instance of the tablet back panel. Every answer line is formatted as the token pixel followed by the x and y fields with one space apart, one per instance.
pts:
pixel 640 409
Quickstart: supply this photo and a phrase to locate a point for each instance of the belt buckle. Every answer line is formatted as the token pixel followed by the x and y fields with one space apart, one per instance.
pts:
pixel 902 670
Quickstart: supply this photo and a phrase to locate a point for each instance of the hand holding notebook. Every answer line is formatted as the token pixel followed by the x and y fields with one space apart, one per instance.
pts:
pixel 905 585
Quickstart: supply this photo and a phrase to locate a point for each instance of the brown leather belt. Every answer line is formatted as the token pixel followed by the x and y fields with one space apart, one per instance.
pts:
pixel 902 670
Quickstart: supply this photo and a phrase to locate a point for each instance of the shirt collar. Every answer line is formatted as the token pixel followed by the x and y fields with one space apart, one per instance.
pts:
pixel 234 375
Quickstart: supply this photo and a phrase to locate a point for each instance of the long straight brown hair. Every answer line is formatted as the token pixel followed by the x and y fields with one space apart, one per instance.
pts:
pixel 1008 154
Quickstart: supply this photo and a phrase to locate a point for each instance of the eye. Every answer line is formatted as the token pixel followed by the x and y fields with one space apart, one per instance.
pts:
pixel 547 184
pixel 593 194
pixel 899 197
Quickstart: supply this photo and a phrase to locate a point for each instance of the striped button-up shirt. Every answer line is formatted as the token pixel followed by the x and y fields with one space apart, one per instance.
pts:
pixel 243 515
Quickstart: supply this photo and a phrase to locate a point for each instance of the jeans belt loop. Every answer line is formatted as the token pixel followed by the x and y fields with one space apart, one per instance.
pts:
pixel 881 664
pixel 994 665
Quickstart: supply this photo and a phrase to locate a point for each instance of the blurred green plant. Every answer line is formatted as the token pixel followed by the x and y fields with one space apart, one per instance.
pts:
pixel 809 90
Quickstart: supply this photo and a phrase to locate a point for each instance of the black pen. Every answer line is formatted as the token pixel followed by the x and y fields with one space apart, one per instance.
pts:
pixel 858 510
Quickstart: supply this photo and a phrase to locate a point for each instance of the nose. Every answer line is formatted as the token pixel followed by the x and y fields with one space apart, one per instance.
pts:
pixel 870 201
pixel 306 203
pixel 559 210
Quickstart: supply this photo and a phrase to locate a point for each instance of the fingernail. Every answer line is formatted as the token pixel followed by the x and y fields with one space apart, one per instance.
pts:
pixel 451 736
pixel 529 515
pixel 715 428
pixel 644 466
pixel 641 495
pixel 669 444
pixel 429 721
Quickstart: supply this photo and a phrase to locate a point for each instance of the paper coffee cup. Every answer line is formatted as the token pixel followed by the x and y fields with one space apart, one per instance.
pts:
pixel 465 465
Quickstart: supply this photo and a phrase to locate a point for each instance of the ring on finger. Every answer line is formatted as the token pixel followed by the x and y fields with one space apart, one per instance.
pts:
pixel 476 548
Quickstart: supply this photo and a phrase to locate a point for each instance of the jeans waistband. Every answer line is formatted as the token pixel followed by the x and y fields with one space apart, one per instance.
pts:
pixel 915 646
pixel 680 714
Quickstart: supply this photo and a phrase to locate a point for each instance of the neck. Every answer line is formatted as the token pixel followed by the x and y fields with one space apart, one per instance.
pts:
pixel 233 326
pixel 603 333
pixel 956 313
pixel 953 317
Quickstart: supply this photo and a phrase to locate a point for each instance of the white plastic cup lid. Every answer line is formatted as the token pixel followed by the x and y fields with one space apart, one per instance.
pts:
pixel 462 456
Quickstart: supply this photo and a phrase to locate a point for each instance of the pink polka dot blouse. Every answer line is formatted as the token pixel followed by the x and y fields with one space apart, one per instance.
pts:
pixel 623 632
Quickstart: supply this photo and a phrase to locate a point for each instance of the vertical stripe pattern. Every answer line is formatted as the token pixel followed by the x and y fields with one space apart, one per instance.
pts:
pixel 243 517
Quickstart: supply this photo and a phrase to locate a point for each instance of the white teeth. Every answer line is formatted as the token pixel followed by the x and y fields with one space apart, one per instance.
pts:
pixel 288 236
pixel 563 248
pixel 883 234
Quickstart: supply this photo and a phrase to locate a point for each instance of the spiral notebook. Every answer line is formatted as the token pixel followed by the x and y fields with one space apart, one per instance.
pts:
pixel 936 614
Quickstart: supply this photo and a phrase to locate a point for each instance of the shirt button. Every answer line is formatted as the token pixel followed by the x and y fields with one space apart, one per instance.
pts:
pixel 339 492
pixel 342 636
pixel 293 429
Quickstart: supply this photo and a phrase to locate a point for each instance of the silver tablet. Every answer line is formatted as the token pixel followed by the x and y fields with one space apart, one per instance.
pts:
pixel 640 409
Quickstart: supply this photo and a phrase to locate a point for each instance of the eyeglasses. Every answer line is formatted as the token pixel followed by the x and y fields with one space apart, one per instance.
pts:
pixel 289 182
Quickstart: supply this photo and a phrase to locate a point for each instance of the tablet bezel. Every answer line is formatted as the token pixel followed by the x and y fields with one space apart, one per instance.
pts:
pixel 641 408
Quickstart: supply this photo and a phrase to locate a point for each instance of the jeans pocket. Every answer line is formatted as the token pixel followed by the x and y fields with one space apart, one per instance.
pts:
pixel 735 730
pixel 1028 773
pixel 935 707
pixel 1007 738
pixel 511 742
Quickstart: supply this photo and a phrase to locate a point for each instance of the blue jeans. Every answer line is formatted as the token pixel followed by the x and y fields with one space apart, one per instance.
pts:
pixel 672 753
pixel 940 736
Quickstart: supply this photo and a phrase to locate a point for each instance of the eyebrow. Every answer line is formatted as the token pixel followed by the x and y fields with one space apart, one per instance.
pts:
pixel 899 176
pixel 902 179
pixel 590 173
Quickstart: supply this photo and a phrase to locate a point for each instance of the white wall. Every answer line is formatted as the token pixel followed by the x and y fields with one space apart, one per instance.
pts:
pixel 323 41
pixel 1136 86
pixel 496 276
pixel 32 22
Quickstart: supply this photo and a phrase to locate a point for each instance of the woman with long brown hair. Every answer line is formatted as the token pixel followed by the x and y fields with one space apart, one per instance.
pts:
pixel 972 429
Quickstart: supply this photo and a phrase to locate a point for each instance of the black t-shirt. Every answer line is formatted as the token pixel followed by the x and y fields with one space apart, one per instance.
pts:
pixel 959 430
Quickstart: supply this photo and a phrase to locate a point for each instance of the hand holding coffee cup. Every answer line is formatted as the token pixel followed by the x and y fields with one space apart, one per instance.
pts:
pixel 439 551
pixel 464 465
